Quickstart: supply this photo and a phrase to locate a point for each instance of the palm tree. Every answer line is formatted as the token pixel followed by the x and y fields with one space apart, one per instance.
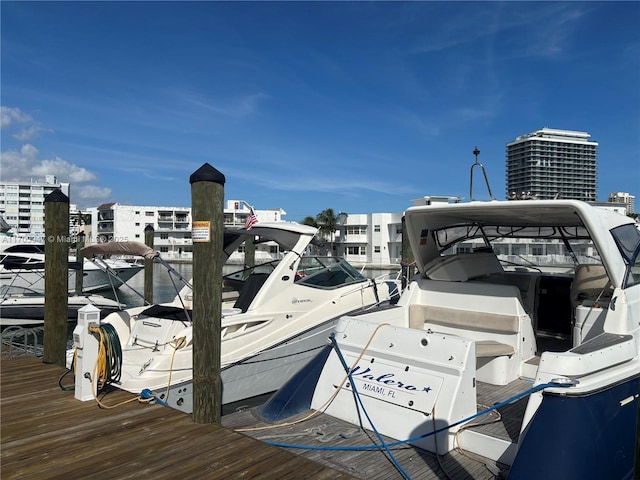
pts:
pixel 310 221
pixel 327 222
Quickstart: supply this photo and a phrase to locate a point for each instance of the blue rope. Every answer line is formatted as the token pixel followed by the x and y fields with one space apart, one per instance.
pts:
pixel 332 337
pixel 147 394
pixel 386 446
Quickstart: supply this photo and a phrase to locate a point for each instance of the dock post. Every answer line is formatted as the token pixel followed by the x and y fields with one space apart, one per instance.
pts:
pixel 80 261
pixel 148 265
pixel 207 199
pixel 56 277
pixel 407 256
pixel 249 252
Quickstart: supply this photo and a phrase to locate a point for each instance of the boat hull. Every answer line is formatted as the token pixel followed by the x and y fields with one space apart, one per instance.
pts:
pixel 18 311
pixel 257 375
pixel 581 436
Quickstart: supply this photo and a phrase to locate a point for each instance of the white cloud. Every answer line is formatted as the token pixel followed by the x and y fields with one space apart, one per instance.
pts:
pixel 29 128
pixel 24 165
pixel 29 133
pixel 63 169
pixel 8 116
pixel 91 194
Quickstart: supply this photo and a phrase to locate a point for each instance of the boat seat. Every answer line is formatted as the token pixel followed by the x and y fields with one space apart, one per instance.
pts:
pixel 590 282
pixel 489 314
pixel 491 348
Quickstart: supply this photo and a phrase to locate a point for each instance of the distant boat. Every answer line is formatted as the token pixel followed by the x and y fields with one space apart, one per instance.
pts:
pixel 25 306
pixel 22 265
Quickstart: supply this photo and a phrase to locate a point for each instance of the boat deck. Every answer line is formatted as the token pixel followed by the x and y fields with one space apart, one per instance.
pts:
pixel 46 433
pixel 321 430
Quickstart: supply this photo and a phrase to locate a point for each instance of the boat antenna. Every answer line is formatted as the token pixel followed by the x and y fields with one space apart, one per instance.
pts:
pixel 476 152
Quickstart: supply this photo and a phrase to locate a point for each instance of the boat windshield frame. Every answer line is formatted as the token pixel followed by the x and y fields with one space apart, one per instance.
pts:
pixel 570 242
pixel 327 273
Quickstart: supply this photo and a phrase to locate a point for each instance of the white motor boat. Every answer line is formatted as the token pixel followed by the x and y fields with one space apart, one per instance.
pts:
pixel 281 316
pixel 24 306
pixel 527 308
pixel 22 265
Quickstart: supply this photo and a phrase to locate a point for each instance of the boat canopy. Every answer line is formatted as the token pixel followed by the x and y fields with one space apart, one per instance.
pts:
pixel 120 248
pixel 434 229
pixel 285 234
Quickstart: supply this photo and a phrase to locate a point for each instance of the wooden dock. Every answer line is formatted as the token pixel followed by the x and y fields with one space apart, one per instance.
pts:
pixel 326 431
pixel 45 433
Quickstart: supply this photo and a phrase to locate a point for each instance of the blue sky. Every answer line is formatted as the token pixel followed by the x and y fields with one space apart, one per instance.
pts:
pixel 356 106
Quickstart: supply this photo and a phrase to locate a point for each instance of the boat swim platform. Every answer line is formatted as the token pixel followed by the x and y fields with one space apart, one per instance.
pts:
pixel 323 430
pixel 45 433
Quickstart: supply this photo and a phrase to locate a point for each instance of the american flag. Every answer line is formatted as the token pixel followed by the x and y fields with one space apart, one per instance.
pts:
pixel 251 219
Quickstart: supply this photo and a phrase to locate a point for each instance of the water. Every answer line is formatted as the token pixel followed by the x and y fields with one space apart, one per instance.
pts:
pixel 163 288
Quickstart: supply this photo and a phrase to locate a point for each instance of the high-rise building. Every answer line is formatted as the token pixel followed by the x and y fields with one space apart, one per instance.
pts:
pixel 22 204
pixel 550 163
pixel 624 198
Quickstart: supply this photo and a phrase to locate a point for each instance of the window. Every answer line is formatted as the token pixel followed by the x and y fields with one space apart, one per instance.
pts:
pixel 356 230
pixel 164 236
pixel 376 228
pixel 376 249
pixel 537 249
pixel 137 224
pixel 148 214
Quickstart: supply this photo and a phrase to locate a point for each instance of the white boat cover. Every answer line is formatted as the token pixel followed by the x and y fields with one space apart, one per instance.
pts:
pixel 120 248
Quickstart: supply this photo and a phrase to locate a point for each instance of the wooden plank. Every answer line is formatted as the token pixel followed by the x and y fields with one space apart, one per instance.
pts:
pixel 364 464
pixel 46 433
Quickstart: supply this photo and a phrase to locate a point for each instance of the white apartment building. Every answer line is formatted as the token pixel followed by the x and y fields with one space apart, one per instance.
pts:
pixel 624 198
pixel 370 238
pixel 171 225
pixel 22 204
pixel 375 239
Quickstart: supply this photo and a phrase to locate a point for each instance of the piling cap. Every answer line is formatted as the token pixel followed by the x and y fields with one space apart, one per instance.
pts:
pixel 206 173
pixel 56 197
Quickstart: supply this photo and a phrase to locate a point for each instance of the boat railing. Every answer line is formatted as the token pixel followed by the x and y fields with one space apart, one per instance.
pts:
pixel 18 341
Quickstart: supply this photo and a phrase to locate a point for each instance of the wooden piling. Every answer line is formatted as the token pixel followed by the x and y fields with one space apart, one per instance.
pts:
pixel 249 252
pixel 80 261
pixel 407 256
pixel 148 265
pixel 56 277
pixel 207 198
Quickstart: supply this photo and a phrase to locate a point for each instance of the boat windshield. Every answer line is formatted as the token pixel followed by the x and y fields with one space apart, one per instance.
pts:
pixel 627 238
pixel 327 272
pixel 235 280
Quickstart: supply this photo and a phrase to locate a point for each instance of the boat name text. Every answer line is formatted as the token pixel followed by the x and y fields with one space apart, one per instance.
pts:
pixel 300 300
pixel 387 379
